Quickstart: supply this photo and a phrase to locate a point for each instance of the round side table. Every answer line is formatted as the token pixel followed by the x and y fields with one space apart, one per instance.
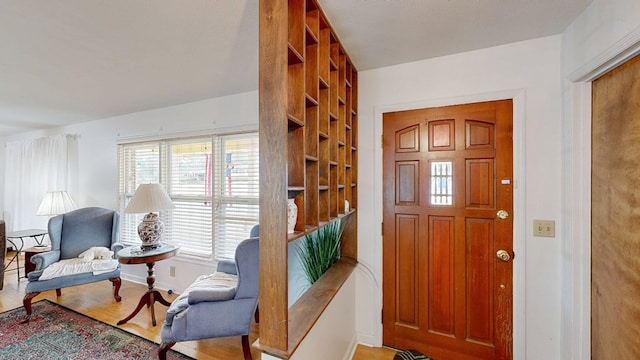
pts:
pixel 135 255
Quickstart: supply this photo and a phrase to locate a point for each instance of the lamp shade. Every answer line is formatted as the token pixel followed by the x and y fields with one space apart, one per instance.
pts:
pixel 149 198
pixel 55 203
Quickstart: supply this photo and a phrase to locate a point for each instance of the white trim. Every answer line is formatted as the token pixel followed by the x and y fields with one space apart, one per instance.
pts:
pixel 621 51
pixel 576 277
pixel 160 135
pixel 519 235
pixel 576 205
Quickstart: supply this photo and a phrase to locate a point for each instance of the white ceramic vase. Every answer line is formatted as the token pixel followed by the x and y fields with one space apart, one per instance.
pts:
pixel 292 215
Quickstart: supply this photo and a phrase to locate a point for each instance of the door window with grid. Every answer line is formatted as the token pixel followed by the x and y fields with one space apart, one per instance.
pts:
pixel 213 182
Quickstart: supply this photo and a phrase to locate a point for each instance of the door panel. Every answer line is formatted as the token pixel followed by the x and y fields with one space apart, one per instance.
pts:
pixel 615 204
pixel 447 171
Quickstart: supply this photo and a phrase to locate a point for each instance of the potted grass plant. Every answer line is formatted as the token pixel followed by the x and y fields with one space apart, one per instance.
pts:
pixel 319 250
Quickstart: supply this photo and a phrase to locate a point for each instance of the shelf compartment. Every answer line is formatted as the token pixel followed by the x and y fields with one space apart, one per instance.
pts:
pixel 333 136
pixel 295 157
pixel 312 20
pixel 323 171
pixel 342 70
pixel 333 92
pixel 294 57
pixel 323 112
pixel 295 87
pixel 296 25
pixel 311 194
pixel 311 132
pixel 324 56
pixel 333 191
pixel 323 204
pixel 294 122
pixel 311 72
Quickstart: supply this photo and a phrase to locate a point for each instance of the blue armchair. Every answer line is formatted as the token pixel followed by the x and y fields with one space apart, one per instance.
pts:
pixel 216 305
pixel 71 234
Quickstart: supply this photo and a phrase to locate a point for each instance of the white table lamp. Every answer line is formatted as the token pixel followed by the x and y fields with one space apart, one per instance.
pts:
pixel 147 199
pixel 56 203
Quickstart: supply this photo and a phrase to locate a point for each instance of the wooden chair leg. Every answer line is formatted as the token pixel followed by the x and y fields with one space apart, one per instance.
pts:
pixel 27 305
pixel 256 316
pixel 58 292
pixel 246 348
pixel 116 288
pixel 162 350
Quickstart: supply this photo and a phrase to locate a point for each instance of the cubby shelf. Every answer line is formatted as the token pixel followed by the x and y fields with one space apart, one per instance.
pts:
pixel 308 151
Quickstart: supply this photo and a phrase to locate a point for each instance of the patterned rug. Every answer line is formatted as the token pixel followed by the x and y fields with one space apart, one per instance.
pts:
pixel 55 332
pixel 410 355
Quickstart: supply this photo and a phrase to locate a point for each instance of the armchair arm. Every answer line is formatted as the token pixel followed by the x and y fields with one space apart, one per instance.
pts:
pixel 227 266
pixel 216 294
pixel 42 260
pixel 115 247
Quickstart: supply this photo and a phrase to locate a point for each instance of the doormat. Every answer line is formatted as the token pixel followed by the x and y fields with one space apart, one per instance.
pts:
pixel 56 332
pixel 410 355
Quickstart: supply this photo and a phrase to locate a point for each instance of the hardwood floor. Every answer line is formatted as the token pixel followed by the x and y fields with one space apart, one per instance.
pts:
pixel 96 301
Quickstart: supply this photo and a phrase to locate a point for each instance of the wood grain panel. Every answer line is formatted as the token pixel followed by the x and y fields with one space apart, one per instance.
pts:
pixel 408 140
pixel 480 180
pixel 407 242
pixel 615 222
pixel 442 135
pixel 441 274
pixel 407 186
pixel 480 134
pixel 273 107
pixel 479 270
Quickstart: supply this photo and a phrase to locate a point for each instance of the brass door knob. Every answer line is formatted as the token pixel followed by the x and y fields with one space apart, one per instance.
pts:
pixel 503 255
pixel 502 214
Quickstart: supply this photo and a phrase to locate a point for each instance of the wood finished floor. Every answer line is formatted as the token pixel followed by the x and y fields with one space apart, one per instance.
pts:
pixel 96 301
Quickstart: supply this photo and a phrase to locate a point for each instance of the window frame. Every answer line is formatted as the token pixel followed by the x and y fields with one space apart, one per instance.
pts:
pixel 127 186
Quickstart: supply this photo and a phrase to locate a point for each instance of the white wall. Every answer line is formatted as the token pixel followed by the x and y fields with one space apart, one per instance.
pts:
pixel 604 35
pixel 527 71
pixel 94 182
pixel 333 335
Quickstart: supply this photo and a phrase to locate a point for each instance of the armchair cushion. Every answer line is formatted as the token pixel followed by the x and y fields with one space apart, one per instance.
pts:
pixel 78 266
pixel 213 287
pixel 216 294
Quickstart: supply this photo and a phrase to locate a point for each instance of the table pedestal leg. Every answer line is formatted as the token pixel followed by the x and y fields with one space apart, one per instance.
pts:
pixel 149 298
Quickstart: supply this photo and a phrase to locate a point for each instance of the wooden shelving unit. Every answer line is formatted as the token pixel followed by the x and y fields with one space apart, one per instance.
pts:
pixel 308 151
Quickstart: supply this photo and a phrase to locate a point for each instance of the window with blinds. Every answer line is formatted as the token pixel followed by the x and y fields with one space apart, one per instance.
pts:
pixel 213 182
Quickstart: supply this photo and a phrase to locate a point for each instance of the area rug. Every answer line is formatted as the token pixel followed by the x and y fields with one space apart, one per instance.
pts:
pixel 410 355
pixel 55 332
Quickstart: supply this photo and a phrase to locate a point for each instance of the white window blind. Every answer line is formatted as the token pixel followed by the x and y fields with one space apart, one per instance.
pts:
pixel 138 164
pixel 235 194
pixel 213 182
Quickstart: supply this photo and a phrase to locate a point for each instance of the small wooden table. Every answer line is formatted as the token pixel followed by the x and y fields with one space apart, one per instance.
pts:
pixel 28 253
pixel 134 255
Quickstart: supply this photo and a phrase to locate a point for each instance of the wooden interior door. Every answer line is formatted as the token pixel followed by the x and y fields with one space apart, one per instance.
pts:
pixel 447 263
pixel 615 214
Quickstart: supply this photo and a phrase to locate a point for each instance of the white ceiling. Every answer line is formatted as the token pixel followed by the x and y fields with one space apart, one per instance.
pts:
pixel 70 61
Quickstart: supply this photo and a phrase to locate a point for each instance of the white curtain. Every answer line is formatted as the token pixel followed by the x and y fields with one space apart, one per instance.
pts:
pixel 33 168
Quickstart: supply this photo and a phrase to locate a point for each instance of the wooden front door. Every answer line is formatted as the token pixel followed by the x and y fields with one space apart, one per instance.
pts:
pixel 447 233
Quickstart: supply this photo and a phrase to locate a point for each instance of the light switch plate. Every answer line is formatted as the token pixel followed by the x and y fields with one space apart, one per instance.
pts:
pixel 544 228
